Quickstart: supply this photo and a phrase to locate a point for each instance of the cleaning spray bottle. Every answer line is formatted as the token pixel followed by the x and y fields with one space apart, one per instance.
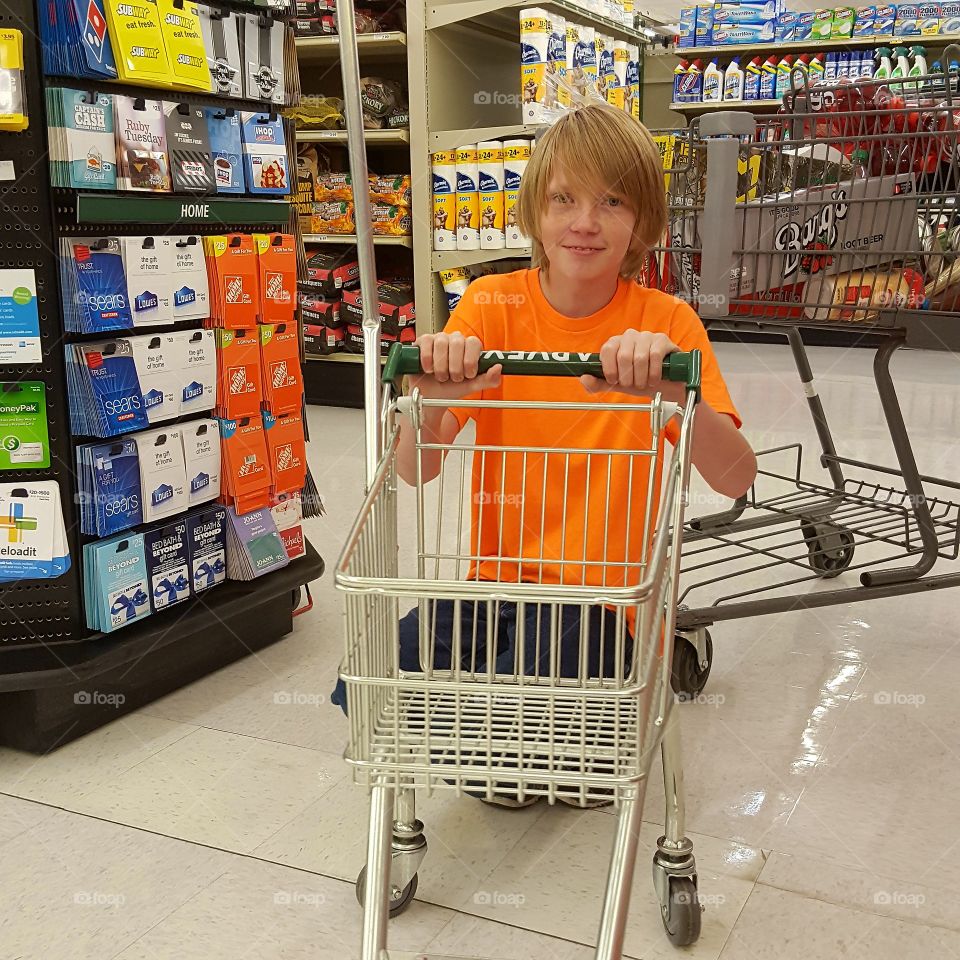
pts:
pixel 751 81
pixel 768 79
pixel 901 67
pixel 783 76
pixel 680 71
pixel 884 68
pixel 733 81
pixel 712 83
pixel 919 67
pixel 815 71
pixel 695 82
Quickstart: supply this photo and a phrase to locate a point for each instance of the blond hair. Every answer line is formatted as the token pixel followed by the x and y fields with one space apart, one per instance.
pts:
pixel 607 149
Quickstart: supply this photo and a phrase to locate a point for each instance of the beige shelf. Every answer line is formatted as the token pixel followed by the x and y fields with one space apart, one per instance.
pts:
pixel 451 139
pixel 371 137
pixel 340 357
pixel 351 238
pixel 445 259
pixel 813 46
pixel 371 46
pixel 502 16
pixel 748 105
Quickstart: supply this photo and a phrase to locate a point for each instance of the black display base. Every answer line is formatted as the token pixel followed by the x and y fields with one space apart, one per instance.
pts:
pixel 50 697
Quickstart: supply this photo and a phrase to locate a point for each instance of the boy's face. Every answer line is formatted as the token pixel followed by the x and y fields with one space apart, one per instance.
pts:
pixel 585 233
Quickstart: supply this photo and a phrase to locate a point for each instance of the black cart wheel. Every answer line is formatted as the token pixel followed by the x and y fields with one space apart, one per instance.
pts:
pixel 830 548
pixel 681 914
pixel 688 677
pixel 399 899
pixel 297 597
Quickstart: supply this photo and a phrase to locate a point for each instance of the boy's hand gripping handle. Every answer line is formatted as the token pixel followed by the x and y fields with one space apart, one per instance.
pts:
pixel 677 367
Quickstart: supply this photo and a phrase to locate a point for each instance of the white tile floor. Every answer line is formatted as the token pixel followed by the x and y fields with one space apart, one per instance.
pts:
pixel 219 823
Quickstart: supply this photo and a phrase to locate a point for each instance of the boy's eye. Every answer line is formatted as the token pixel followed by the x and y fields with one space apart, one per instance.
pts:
pixel 614 202
pixel 561 197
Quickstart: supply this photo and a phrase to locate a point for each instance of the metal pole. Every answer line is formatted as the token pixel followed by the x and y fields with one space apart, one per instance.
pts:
pixel 356 147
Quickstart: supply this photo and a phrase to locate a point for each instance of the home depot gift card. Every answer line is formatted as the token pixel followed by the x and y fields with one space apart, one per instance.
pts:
pixel 239 383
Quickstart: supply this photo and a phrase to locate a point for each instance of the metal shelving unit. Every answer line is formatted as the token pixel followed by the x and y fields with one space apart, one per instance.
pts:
pixel 814 46
pixel 464 87
pixel 371 137
pixel 751 105
pixel 383 241
pixel 391 45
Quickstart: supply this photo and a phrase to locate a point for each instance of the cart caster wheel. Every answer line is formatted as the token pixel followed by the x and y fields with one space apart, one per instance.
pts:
pixel 399 899
pixel 830 548
pixel 688 676
pixel 681 913
pixel 296 597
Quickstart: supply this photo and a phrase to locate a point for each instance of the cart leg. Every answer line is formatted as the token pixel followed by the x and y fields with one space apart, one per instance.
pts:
pixel 911 475
pixel 375 908
pixel 674 867
pixel 616 902
pixel 407 847
pixel 827 446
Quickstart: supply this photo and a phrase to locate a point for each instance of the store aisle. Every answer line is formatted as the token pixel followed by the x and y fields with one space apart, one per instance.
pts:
pixel 822 775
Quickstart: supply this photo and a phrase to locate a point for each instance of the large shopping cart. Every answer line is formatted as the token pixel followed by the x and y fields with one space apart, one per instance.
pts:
pixel 841 213
pixel 559 718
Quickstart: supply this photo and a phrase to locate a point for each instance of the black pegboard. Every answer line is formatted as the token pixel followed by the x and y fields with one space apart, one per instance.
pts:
pixel 38 611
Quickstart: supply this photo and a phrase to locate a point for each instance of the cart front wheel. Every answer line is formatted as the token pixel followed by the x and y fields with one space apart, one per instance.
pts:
pixel 400 899
pixel 830 548
pixel 681 912
pixel 689 676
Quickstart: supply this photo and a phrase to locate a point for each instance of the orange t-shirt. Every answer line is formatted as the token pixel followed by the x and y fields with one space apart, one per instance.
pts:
pixel 571 517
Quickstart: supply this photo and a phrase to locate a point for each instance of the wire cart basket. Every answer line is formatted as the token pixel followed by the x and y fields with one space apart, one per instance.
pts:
pixel 842 212
pixel 542 708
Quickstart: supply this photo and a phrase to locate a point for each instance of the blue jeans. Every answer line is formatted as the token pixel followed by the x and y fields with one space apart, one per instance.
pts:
pixel 600 626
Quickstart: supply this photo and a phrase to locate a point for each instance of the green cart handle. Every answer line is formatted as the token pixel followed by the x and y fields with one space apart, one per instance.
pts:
pixel 677 367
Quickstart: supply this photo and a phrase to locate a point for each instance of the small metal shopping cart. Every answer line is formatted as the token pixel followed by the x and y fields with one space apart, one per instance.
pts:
pixel 465 721
pixel 839 214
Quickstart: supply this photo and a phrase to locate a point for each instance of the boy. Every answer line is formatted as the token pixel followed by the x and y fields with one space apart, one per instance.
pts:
pixel 592 201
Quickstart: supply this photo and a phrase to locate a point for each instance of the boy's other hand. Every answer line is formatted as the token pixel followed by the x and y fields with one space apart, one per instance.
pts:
pixel 633 364
pixel 450 365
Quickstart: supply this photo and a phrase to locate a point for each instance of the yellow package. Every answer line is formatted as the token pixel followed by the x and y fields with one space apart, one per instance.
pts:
pixel 444 216
pixel 184 42
pixel 14 116
pixel 387 189
pixel 137 41
pixel 392 220
pixel 334 216
pixel 333 186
